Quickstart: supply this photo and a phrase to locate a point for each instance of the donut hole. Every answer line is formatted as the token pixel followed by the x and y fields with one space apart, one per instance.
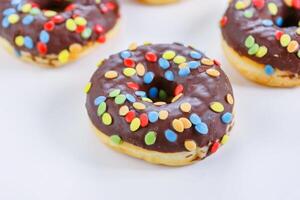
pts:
pixel 290 18
pixel 161 90
pixel 55 5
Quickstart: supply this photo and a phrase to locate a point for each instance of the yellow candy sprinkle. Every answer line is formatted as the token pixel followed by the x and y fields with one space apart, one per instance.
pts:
pixel 50 13
pixel 75 48
pixel 285 39
pixel 185 107
pixel 225 139
pixel 106 119
pixel 63 56
pixel 206 61
pixel 190 145
pixel 140 69
pixel 229 99
pixel 179 59
pixel 19 40
pixel 133 46
pixel 135 124
pixel 88 88
pixel 139 106
pixel 80 21
pixel 163 114
pixel 111 74
pixel 160 103
pixel 217 107
pixel 178 125
pixel 239 5
pixel 273 9
pixel 169 55
pixel 186 123
pixel 293 46
pixel 213 72
pixel 176 98
pixel 129 72
pixel 71 25
pixel 14 18
pixel 100 63
pixel 123 110
pixel 298 31
pixel 26 8
pixel 262 51
pixel 145 99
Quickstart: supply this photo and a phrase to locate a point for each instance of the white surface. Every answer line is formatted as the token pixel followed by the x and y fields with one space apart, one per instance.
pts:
pixel 48 151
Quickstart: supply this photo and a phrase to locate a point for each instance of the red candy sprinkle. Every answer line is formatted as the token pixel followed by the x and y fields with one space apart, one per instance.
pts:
pixel 278 35
pixel 223 21
pixel 49 26
pixel 128 62
pixel 80 29
pixel 151 57
pixel 178 90
pixel 111 5
pixel 296 4
pixel 214 148
pixel 144 120
pixel 101 39
pixel 70 7
pixel 216 62
pixel 104 8
pixel 259 3
pixel 42 48
pixel 58 19
pixel 98 29
pixel 130 116
pixel 133 85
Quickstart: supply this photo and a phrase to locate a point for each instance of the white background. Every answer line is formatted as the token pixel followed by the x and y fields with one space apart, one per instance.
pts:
pixel 49 152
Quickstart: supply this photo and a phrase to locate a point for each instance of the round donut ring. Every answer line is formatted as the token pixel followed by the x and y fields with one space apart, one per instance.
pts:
pixel 261 39
pixel 55 32
pixel 165 103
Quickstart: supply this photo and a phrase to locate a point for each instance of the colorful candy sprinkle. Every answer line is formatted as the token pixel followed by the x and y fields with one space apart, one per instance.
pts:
pixel 170 135
pixel 190 145
pixel 150 138
pixel 106 119
pixel 217 107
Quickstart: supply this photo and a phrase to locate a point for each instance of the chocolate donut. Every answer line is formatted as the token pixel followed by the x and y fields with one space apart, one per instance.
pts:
pixel 261 39
pixel 164 103
pixel 54 32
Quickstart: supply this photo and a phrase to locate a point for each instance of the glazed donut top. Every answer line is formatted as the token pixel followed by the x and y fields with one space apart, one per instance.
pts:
pixel 52 27
pixel 266 31
pixel 162 97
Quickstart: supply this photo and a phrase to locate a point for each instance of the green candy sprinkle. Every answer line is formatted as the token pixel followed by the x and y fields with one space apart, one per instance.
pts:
pixel 262 51
pixel 250 41
pixel 106 119
pixel 298 54
pixel 129 72
pixel 86 33
pixel 101 109
pixel 120 99
pixel 253 50
pixel 285 40
pixel 114 93
pixel 162 95
pixel 150 138
pixel 116 139
pixel 248 14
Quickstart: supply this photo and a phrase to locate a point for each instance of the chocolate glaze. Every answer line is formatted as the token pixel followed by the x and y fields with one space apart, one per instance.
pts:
pixel 239 27
pixel 60 37
pixel 199 90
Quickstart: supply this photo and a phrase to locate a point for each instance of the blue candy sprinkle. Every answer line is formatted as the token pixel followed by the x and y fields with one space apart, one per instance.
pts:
pixel 28 42
pixel 279 21
pixel 195 119
pixel 169 75
pixel 44 37
pixel 170 135
pixel 153 92
pixel 153 116
pixel 193 64
pixel 9 11
pixel 27 20
pixel 184 72
pixel 195 55
pixel 226 118
pixel 267 22
pixel 130 98
pixel 99 100
pixel 202 128
pixel 5 23
pixel 125 54
pixel 269 70
pixel 148 77
pixel 15 2
pixel 141 93
pixel 163 63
